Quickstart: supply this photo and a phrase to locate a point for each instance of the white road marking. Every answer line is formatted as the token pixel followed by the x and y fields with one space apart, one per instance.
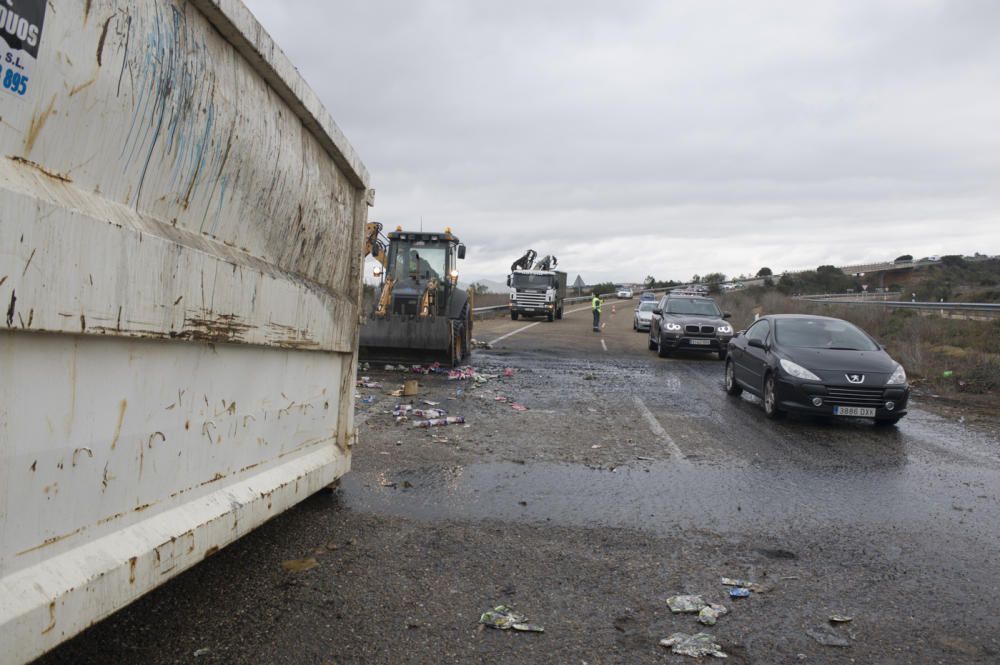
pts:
pixel 531 325
pixel 514 332
pixel 603 345
pixel 656 428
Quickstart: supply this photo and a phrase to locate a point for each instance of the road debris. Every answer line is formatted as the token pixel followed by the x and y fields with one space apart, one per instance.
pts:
pixel 428 413
pixel 697 645
pixel 508 371
pixel 503 617
pixel 840 618
pixel 299 565
pixel 461 374
pixel 410 387
pixel 739 592
pixel 709 615
pixel 518 407
pixel 439 422
pixel 828 636
pixel 746 584
pixel 686 604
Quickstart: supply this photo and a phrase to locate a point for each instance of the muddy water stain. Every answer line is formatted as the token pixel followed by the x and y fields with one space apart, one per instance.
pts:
pixel 661 497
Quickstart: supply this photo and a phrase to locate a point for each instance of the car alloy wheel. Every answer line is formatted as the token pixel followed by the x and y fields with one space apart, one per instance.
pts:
pixel 771 409
pixel 732 387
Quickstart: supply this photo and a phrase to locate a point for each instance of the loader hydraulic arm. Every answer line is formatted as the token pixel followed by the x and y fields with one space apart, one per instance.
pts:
pixel 374 245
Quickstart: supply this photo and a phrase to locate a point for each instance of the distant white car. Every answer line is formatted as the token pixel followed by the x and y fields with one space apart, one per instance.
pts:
pixel 625 293
pixel 643 314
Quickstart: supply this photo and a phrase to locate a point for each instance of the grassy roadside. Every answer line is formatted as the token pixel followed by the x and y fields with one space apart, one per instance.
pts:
pixel 947 356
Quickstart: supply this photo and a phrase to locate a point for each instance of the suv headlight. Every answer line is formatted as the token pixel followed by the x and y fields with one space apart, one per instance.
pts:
pixel 798 371
pixel 725 329
pixel 898 377
pixel 671 326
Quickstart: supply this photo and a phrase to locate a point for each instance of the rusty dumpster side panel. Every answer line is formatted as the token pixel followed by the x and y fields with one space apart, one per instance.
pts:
pixel 181 229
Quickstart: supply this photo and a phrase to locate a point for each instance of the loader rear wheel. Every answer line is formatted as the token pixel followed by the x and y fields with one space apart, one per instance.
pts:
pixel 513 316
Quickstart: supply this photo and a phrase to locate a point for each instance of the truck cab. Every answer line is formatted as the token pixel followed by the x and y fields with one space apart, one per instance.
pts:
pixel 537 293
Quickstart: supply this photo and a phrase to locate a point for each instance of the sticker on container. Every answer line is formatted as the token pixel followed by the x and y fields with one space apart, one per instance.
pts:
pixel 20 34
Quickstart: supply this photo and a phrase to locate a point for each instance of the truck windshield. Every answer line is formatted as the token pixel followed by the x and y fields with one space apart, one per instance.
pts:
pixel 521 281
pixel 419 259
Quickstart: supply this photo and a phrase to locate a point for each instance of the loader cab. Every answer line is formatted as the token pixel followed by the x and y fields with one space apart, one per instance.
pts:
pixel 419 260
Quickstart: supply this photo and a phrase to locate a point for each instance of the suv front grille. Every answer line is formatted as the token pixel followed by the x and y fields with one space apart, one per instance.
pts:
pixel 699 330
pixel 850 396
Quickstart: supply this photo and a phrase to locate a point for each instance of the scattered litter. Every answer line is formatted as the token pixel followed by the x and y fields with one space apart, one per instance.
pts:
pixel 439 422
pixel 746 584
pixel 947 374
pixel 686 604
pixel 428 413
pixel 508 371
pixel 500 398
pixel 365 367
pixel 202 652
pixel 461 374
pixel 430 402
pixel 502 617
pixel 739 592
pixel 709 615
pixel 401 409
pixel 828 637
pixel 595 446
pixel 518 407
pixel 410 387
pixel 366 382
pixel 396 393
pixel 591 409
pixel 368 399
pixel 645 459
pixel 840 618
pixel 697 645
pixel 299 565
pixel 332 546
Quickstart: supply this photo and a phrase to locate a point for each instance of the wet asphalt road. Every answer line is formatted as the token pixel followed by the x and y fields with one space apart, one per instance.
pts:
pixel 629 479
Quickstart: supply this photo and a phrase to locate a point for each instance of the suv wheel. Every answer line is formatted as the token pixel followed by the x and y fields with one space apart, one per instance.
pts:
pixel 662 351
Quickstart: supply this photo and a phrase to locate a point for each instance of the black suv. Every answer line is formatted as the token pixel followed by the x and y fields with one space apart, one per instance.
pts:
pixel 689 323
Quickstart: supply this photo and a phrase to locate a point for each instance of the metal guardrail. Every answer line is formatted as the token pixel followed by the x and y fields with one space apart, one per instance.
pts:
pixel 906 304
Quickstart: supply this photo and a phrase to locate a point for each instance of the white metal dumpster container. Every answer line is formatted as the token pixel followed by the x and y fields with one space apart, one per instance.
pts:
pixel 181 229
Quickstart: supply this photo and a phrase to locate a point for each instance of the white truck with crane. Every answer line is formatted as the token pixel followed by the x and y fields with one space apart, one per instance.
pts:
pixel 536 289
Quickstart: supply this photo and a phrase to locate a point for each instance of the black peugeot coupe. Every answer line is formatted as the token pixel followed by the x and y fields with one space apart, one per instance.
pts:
pixel 816 365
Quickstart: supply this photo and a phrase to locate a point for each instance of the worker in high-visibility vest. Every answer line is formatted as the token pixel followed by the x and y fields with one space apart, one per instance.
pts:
pixel 595 304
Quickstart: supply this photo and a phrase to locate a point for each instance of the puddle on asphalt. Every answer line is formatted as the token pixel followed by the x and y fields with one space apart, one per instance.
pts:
pixel 662 497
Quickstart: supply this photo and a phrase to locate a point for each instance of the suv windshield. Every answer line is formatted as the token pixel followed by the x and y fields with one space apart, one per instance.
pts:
pixel 696 306
pixel 822 334
pixel 522 281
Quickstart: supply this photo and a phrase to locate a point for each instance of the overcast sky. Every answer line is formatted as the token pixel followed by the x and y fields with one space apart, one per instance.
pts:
pixel 667 138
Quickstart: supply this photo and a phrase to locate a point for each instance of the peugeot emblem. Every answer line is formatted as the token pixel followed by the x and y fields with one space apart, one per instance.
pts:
pixel 855 378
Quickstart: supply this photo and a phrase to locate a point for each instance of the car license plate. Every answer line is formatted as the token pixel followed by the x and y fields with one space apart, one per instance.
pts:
pixel 701 342
pixel 856 411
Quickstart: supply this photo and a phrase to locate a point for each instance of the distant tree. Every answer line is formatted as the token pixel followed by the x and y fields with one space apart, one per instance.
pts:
pixel 649 281
pixel 696 279
pixel 604 288
pixel 954 260
pixel 714 278
pixel 479 289
pixel 764 272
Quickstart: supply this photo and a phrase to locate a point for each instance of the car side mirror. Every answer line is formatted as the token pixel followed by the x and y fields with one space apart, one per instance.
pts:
pixel 757 343
pixel 461 251
pixel 727 315
pixel 657 310
pixel 739 333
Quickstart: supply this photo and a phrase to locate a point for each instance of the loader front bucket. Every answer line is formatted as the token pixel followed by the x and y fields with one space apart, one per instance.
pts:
pixel 406 339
